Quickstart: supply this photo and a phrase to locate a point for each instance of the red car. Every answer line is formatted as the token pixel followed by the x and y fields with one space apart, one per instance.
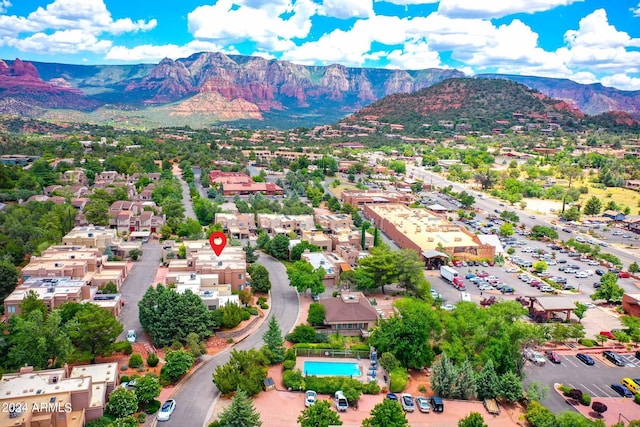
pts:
pixel 553 356
pixel 607 334
pixel 483 274
pixel 624 275
pixel 535 283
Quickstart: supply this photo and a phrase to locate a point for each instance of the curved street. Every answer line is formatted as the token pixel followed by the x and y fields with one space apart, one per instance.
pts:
pixel 196 395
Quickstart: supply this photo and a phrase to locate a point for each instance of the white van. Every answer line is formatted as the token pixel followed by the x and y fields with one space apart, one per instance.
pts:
pixel 341 401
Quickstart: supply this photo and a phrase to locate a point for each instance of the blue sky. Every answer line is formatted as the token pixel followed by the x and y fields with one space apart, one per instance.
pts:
pixel 585 40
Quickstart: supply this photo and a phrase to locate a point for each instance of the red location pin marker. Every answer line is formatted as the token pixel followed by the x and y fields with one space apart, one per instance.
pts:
pixel 218 241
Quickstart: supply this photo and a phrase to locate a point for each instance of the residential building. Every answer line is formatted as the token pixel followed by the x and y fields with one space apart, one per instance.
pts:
pixel 128 217
pixel 359 199
pixel 351 314
pixel 330 262
pixel 334 223
pixel 631 304
pixel 55 397
pixel 317 238
pixel 274 224
pixel 55 291
pixel 421 230
pixel 633 184
pixel 230 266
pixel 352 238
pixel 238 225
pixel 99 237
pixel 206 286
pixel 613 215
pixel 349 254
pixel 75 177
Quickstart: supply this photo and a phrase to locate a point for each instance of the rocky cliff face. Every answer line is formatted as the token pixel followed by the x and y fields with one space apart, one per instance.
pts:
pixel 235 87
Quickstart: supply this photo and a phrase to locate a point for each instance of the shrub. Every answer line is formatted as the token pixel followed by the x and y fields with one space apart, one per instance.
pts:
pixel 294 380
pixel 422 389
pixel 246 315
pixel 352 395
pixel 135 361
pixel 153 360
pixel 142 418
pixel 261 300
pixel 290 354
pixel 359 347
pixel 587 342
pixel 576 394
pixel 264 306
pixel 176 345
pixel 123 347
pixel 288 365
pixel 153 407
pixel 124 379
pixel 302 333
pixel 252 310
pixel 370 388
pixel 636 398
pixel 586 399
pixel 565 390
pixel 335 293
pixel 389 362
pixel 398 380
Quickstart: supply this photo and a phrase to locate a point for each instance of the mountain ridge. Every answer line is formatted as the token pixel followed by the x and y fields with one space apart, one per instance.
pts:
pixel 265 91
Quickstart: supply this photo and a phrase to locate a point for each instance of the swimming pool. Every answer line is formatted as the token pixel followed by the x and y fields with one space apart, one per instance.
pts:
pixel 334 369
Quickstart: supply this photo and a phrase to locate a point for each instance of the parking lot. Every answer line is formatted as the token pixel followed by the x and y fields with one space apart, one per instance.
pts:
pixel 595 379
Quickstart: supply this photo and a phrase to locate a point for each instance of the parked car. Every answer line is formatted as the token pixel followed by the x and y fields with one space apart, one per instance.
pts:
pixel 392 396
pixel 310 398
pixel 614 358
pixel 341 401
pixel 423 404
pixel 407 402
pixel 512 270
pixel 437 404
pixel 621 390
pixel 535 357
pixel 166 410
pixel 553 356
pixel 624 275
pixel 586 359
pixel 607 334
pixel 546 288
pixel 131 336
pixel 507 290
pixel 566 230
pixel 600 272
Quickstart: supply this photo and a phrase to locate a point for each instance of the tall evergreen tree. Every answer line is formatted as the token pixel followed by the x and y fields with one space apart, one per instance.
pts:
pixel 241 412
pixel 273 341
pixel 363 239
pixel 376 237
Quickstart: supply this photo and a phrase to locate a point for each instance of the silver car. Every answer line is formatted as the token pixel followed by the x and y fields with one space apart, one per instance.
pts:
pixel 423 404
pixel 407 402
pixel 166 410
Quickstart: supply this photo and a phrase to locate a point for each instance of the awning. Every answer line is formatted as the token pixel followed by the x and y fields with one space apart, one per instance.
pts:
pixel 434 254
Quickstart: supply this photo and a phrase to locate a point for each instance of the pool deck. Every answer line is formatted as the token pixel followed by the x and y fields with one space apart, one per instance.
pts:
pixel 364 365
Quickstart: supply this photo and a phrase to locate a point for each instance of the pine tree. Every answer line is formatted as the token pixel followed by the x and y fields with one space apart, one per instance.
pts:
pixel 363 240
pixel 376 237
pixel 241 412
pixel 273 341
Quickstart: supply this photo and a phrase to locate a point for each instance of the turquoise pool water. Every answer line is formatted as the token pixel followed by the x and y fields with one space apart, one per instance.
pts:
pixel 337 369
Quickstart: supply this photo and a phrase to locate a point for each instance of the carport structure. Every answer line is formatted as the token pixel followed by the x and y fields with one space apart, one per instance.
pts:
pixel 543 308
pixel 434 259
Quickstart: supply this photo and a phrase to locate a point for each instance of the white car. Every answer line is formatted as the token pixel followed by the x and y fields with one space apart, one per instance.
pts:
pixel 512 270
pixel 131 336
pixel 617 233
pixel 310 398
pixel 593 263
pixel 485 287
pixel 166 410
pixel 551 262
pixel 581 275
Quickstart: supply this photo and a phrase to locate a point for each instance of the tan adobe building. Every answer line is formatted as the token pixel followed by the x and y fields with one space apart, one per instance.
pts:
pixel 99 237
pixel 55 291
pixel 274 224
pixel 352 238
pixel 317 238
pixel 350 314
pixel 128 216
pixel 206 286
pixel 329 261
pixel 359 199
pixel 421 230
pixel 295 155
pixel 349 254
pixel 230 267
pixel 238 225
pixel 55 397
pixel 334 223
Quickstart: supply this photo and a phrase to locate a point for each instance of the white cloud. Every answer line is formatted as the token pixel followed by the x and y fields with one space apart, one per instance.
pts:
pixel 69 41
pixel 597 45
pixel 155 53
pixel 415 56
pixel 4 5
pixel 408 2
pixel 636 11
pixel 497 8
pixel 227 23
pixel 345 9
pixel 622 81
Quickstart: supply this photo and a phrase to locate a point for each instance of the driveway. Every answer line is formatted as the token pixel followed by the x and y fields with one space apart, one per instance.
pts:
pixel 139 279
pixel 196 396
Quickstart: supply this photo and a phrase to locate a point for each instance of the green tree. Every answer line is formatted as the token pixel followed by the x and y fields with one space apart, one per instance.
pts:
pixel 97 213
pixel 410 272
pixel 303 276
pixel 571 214
pixel 633 267
pixel 593 206
pixel 196 347
pixel 245 370
pixel 251 253
pixel 465 385
pixel 122 403
pixel 32 302
pixel 510 388
pixel 279 246
pixel 380 266
pixel 273 341
pixel 388 413
pixel 317 314
pixel 540 232
pixel 93 329
pixel 135 254
pixel 537 391
pixel 580 310
pixel 487 382
pixel 444 376
pixel 507 229
pixel 609 289
pixel 540 266
pixel 319 415
pixel 259 278
pixel 408 334
pixel 241 412
pixel 474 419
pixel 8 278
pixel 167 315
pixel 231 315
pixel 177 363
pixel 540 416
pixel 147 388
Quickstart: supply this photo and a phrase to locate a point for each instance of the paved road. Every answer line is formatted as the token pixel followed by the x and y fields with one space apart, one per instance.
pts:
pixel 186 198
pixel 196 396
pixel 136 284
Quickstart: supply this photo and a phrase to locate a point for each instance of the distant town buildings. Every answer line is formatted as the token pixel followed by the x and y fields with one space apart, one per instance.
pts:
pixel 237 183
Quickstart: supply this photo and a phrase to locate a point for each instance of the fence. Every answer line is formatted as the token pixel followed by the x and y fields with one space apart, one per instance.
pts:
pixel 332 353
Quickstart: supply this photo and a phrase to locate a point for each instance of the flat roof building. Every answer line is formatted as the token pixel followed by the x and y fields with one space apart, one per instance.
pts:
pixel 421 230
pixel 359 198
pixel 274 224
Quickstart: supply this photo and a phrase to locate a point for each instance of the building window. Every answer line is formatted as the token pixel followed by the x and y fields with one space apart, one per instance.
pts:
pixel 240 276
pixel 11 309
